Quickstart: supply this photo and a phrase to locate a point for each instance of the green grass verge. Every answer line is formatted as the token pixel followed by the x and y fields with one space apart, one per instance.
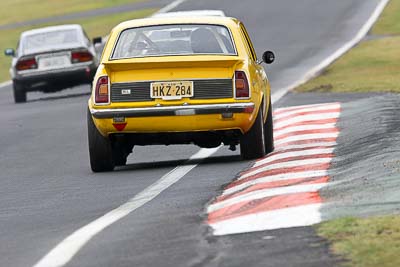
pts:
pixel 372 66
pixel 367 242
pixel 389 21
pixel 22 10
pixel 102 25
pixel 95 26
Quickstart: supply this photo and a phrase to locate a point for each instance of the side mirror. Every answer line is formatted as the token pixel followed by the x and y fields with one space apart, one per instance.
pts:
pixel 268 57
pixel 97 40
pixel 9 52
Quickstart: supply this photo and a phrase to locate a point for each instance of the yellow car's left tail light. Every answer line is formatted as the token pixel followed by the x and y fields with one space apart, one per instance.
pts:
pixel 102 91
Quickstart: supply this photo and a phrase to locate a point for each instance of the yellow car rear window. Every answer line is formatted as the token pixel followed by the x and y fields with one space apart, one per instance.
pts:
pixel 179 39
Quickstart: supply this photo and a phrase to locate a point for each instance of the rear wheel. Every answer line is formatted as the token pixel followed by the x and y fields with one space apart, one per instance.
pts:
pixel 19 92
pixel 252 143
pixel 269 131
pixel 100 149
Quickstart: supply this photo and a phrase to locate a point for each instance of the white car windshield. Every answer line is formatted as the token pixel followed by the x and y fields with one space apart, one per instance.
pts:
pixel 49 39
pixel 167 40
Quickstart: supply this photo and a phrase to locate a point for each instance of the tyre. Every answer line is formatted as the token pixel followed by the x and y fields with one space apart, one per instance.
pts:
pixel 19 92
pixel 100 149
pixel 252 143
pixel 269 131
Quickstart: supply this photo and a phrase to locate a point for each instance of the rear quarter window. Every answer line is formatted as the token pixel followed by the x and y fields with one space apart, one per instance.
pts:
pixel 248 42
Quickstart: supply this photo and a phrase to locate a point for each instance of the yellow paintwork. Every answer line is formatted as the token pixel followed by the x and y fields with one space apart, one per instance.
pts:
pixel 174 123
pixel 160 69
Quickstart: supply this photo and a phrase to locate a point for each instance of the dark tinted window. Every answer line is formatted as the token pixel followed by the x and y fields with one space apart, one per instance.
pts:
pixel 186 39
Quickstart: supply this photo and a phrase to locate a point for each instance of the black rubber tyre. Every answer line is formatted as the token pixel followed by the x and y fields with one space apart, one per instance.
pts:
pixel 100 150
pixel 269 131
pixel 252 143
pixel 19 92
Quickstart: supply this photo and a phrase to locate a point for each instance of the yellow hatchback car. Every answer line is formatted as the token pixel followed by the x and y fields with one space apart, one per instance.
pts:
pixel 179 81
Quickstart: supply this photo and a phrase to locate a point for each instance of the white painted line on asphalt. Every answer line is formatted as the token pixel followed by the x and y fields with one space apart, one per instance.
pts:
pixel 290 113
pixel 167 8
pixel 5 84
pixel 306 119
pixel 288 164
pixel 274 178
pixel 304 137
pixel 170 6
pixel 65 251
pixel 325 63
pixel 291 154
pixel 282 218
pixel 306 127
pixel 264 193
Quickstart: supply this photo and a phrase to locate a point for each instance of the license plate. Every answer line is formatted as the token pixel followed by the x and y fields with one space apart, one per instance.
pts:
pixel 171 90
pixel 54 62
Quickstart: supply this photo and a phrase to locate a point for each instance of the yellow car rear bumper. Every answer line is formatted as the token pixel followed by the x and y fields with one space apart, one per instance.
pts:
pixel 190 118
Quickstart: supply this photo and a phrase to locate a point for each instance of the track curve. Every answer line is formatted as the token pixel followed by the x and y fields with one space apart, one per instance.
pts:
pixel 48 191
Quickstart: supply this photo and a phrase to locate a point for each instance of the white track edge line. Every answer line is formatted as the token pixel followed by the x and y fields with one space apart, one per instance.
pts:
pixel 5 84
pixel 170 6
pixel 67 248
pixel 165 9
pixel 325 63
pixel 57 257
pixel 310 74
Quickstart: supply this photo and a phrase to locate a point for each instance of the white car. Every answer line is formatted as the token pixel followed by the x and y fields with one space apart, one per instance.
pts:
pixel 51 59
pixel 190 13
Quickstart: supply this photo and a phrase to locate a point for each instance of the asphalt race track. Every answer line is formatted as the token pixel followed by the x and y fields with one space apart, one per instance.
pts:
pixel 47 190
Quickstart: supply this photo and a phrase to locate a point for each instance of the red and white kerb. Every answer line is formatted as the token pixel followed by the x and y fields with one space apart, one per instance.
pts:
pixel 282 189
